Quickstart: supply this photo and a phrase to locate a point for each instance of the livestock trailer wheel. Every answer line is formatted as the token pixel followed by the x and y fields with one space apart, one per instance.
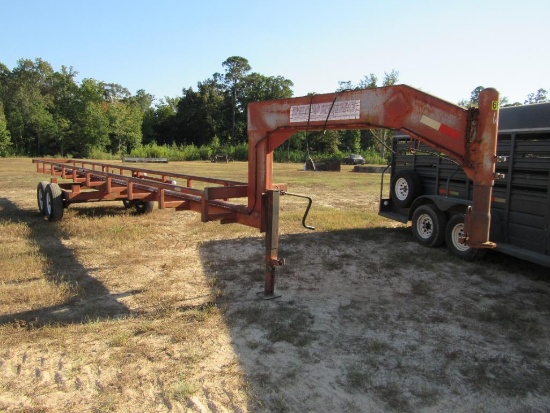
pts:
pixel 405 187
pixel 144 207
pixel 428 226
pixel 54 202
pixel 41 197
pixel 127 203
pixel 453 233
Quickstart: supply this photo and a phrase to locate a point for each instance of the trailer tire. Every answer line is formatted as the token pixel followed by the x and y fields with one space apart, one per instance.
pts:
pixel 455 230
pixel 405 187
pixel 128 203
pixel 428 226
pixel 41 197
pixel 54 202
pixel 144 207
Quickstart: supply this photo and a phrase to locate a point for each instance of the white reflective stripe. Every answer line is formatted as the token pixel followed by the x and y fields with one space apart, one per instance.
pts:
pixel 430 122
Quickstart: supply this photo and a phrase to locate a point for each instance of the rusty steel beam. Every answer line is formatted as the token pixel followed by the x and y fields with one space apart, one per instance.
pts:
pixel 480 167
pixel 466 135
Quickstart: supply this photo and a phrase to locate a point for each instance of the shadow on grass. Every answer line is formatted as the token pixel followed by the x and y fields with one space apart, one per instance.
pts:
pixel 102 209
pixel 92 300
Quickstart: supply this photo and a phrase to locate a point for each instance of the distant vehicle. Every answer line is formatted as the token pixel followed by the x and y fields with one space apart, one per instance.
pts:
pixel 221 157
pixel 353 159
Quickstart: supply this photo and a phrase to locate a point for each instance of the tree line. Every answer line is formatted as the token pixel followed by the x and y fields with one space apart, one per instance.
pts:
pixel 540 96
pixel 44 112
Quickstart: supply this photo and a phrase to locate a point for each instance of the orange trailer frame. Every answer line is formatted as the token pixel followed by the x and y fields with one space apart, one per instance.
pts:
pixel 466 135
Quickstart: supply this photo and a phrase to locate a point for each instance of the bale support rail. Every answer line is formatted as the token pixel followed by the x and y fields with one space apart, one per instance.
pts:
pixel 94 181
pixel 77 181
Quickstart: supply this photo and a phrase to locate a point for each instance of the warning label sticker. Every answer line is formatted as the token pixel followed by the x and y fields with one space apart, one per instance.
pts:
pixel 347 109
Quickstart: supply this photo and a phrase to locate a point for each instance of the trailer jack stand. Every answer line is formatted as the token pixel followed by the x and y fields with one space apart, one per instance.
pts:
pixel 272 261
pixel 269 288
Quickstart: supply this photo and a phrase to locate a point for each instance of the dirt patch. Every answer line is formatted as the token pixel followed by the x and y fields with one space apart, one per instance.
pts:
pixel 363 325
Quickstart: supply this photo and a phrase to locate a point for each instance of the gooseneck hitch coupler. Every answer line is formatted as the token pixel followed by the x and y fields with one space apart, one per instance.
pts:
pixel 310 201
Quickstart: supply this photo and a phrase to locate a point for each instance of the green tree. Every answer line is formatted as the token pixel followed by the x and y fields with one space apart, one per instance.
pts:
pixel 91 91
pixel 257 87
pixel 371 81
pixel 202 114
pixel 125 122
pixel 113 92
pixel 324 142
pixel 236 68
pixel 159 122
pixel 368 82
pixel 217 106
pixel 5 138
pixel 192 119
pixel 5 74
pixel 474 96
pixel 214 106
pixel 148 126
pixel 91 129
pixel 144 101
pixel 91 124
pixel 27 101
pixel 474 99
pixel 539 96
pixel 64 92
pixel 350 141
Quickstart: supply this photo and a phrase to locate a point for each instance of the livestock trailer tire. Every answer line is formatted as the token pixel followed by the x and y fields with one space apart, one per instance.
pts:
pixel 428 226
pixel 453 233
pixel 405 187
pixel 54 202
pixel 128 203
pixel 144 207
pixel 41 197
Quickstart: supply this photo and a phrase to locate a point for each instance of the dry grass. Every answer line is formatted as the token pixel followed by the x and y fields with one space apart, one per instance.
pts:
pixel 107 311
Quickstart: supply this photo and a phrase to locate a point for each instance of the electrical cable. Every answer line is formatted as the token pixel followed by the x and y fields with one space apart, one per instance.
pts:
pixel 324 126
pixel 307 130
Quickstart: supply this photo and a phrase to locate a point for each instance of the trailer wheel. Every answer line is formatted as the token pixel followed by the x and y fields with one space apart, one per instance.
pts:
pixel 53 202
pixel 41 197
pixel 428 226
pixel 405 187
pixel 144 207
pixel 127 203
pixel 453 234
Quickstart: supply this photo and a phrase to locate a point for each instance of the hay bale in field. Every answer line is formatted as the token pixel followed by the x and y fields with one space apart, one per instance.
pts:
pixel 369 169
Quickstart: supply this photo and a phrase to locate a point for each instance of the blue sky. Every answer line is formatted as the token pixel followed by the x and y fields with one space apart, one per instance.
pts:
pixel 446 48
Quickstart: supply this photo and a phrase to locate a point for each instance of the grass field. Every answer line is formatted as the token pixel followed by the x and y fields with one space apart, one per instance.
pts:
pixel 108 311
